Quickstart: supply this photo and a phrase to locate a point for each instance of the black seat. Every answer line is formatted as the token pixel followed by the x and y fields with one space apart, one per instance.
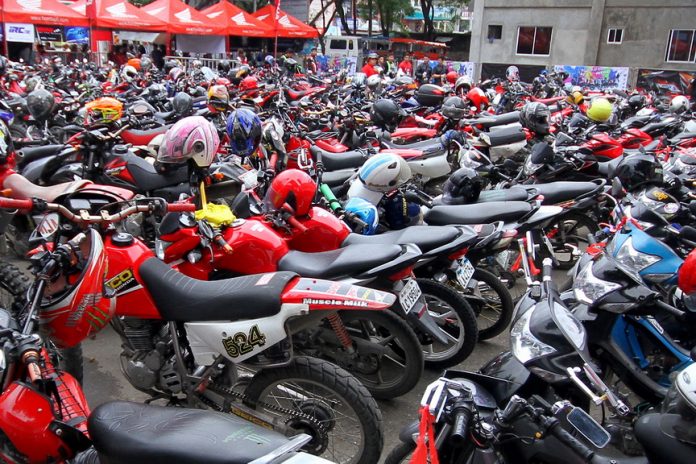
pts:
pixel 516 193
pixel 132 433
pixel 498 120
pixel 337 178
pixel 336 161
pixel 164 115
pixel 479 213
pixel 425 237
pixel 181 298
pixel 28 154
pixel 608 168
pixel 506 136
pixel 343 262
pixel 148 179
pixel 682 136
pixel 557 192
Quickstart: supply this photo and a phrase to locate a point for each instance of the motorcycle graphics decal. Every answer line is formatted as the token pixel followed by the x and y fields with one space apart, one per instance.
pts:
pixel 241 343
pixel 123 282
pixel 329 302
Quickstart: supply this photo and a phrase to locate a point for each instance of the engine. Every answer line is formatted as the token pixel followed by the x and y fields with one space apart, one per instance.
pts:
pixel 147 359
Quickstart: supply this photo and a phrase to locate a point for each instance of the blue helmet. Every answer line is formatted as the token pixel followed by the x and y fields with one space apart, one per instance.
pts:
pixel 244 131
pixel 400 213
pixel 270 61
pixel 366 212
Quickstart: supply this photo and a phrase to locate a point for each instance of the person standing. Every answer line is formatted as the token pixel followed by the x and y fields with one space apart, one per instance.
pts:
pixel 406 66
pixel 424 72
pixel 369 68
pixel 311 62
pixel 391 67
pixel 440 71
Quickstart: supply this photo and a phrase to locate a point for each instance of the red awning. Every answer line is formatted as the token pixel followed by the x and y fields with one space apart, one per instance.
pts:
pixel 50 12
pixel 288 26
pixel 238 21
pixel 182 19
pixel 119 14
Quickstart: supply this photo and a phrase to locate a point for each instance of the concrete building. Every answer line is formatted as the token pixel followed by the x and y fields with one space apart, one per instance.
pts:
pixel 655 34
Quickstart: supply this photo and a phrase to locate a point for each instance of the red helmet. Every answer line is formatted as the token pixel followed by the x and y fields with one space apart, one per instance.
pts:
pixel 452 77
pixel 249 83
pixel 74 306
pixel 477 98
pixel 294 187
pixel 687 274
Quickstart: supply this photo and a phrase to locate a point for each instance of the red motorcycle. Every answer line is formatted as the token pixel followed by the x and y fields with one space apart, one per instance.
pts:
pixel 158 308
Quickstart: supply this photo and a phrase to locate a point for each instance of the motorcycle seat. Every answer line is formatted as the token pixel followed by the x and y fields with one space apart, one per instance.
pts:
pixel 608 168
pixel 557 192
pixel 342 262
pixel 142 137
pixel 336 161
pixel 424 145
pixel 479 213
pixel 506 136
pixel 28 154
pixel 425 237
pixel 682 136
pixel 337 178
pixel 181 298
pixel 22 188
pixel 164 115
pixel 148 179
pixel 515 193
pixel 132 433
pixel 498 120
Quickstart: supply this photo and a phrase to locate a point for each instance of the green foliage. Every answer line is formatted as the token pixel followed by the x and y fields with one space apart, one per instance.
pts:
pixel 391 12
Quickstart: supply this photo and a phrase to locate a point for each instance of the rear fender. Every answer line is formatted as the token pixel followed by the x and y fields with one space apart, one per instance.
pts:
pixel 409 256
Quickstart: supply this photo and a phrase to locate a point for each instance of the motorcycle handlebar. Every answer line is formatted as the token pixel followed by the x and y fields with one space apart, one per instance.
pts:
pixel 460 423
pixel 573 443
pixel 669 308
pixel 11 203
pixel 296 224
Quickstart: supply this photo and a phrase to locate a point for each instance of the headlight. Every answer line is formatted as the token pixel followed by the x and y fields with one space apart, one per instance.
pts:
pixel 160 247
pixel 525 346
pixel 588 288
pixel 530 168
pixel 633 259
pixel 571 327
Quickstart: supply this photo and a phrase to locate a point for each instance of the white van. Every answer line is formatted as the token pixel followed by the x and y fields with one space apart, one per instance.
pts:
pixel 342 45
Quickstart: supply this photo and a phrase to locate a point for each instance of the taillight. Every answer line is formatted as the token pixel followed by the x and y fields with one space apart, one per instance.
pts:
pixel 402 274
pixel 458 254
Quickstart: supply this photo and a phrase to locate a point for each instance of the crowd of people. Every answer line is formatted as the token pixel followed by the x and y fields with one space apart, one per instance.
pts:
pixel 425 72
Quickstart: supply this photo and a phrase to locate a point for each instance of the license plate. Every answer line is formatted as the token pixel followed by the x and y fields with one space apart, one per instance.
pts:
pixel 409 295
pixel 250 179
pixel 464 272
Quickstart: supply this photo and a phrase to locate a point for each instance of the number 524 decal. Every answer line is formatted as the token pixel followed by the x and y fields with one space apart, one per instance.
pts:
pixel 241 343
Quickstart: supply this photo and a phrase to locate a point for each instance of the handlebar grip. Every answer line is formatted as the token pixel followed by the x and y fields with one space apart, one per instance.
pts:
pixel 573 443
pixel 669 308
pixel 460 424
pixel 297 224
pixel 181 207
pixel 11 203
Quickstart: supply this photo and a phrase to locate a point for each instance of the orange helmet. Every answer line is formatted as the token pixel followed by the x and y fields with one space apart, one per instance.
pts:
pixel 104 110
pixel 452 77
pixel 218 97
pixel 294 187
pixel 135 62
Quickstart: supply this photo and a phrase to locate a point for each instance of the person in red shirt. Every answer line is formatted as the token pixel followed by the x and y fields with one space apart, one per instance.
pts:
pixel 369 68
pixel 406 66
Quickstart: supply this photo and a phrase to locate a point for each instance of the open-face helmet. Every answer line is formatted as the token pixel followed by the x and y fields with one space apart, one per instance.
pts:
pixel 192 138
pixel 384 172
pixel 366 212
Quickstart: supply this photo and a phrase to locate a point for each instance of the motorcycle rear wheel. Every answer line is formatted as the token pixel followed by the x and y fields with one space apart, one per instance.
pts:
pixel 401 453
pixel 350 416
pixel 493 305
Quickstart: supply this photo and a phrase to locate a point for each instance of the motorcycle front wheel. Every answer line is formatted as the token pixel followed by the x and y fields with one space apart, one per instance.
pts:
pixel 341 416
pixel 401 453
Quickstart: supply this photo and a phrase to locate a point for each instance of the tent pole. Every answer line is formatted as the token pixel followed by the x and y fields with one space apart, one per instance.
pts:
pixel 4 29
pixel 275 46
pixel 168 39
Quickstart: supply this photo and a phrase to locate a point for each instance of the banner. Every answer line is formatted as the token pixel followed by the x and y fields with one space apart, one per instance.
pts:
pixel 50 34
pixel 595 77
pixel 665 82
pixel 336 63
pixel 19 32
pixel 462 68
pixel 76 34
pixel 527 71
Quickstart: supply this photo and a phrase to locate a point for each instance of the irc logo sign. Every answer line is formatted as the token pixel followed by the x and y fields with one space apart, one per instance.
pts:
pixel 21 30
pixel 18 32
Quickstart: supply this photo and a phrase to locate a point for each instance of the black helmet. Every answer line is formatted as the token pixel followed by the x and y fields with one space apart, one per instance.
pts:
pixel 535 117
pixel 403 80
pixel 462 187
pixel 145 63
pixel 182 104
pixel 224 66
pixel 637 170
pixel 169 65
pixel 454 108
pixel 386 114
pixel 636 101
pixel 3 65
pixel 40 104
pixel 6 145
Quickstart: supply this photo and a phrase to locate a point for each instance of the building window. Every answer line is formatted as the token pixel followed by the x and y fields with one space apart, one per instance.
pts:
pixel 495 32
pixel 533 40
pixel 615 36
pixel 681 45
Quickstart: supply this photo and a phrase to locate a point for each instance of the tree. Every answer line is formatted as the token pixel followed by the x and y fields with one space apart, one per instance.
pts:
pixel 390 12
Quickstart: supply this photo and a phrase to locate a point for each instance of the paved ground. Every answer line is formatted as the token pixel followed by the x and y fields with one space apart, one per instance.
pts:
pixel 104 381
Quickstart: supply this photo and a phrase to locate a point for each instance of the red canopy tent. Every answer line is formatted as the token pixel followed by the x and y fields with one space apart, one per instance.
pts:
pixel 286 25
pixel 50 12
pixel 119 14
pixel 182 19
pixel 238 21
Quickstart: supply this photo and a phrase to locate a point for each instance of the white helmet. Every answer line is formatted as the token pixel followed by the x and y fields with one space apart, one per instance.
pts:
pixel 679 104
pixel 358 81
pixel 129 73
pixel 374 82
pixel 690 126
pixel 193 137
pixel 384 172
pixel 462 83
pixel 512 73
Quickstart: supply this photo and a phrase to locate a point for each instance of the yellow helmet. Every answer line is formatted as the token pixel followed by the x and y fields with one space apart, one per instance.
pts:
pixel 104 110
pixel 599 110
pixel 576 97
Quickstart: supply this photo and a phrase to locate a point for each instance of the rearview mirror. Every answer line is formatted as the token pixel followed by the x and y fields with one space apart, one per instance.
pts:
pixel 542 153
pixel 588 427
pixel 617 190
